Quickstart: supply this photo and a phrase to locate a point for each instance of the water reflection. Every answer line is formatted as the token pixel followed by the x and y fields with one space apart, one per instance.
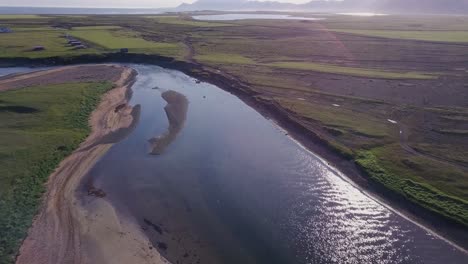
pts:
pixel 226 17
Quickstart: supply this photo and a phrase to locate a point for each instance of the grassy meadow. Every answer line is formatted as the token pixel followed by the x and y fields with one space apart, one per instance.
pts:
pixel 7 17
pixel 40 126
pixel 114 38
pixel 21 42
pixel 351 71
pixel 439 36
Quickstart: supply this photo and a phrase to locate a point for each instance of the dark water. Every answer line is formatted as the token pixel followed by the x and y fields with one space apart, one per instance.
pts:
pixel 232 188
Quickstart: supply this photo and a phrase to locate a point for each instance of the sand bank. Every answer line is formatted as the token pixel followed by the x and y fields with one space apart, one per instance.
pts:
pixel 176 111
pixel 67 230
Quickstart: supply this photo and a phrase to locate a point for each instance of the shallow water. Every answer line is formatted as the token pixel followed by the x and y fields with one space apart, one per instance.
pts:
pixel 233 188
pixel 15 70
pixel 226 17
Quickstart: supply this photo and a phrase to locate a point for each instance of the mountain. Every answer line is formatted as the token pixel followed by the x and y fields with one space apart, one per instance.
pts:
pixel 423 6
pixel 380 6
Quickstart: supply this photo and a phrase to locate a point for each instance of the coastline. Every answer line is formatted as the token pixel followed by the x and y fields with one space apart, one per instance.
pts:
pixel 68 231
pixel 311 140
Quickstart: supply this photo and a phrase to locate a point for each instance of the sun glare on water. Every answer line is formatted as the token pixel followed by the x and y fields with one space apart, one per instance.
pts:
pixel 362 14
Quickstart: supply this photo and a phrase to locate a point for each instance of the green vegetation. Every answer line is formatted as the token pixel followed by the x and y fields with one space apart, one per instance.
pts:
pixel 29 29
pixel 220 58
pixel 423 194
pixel 361 72
pixel 338 118
pixel 453 131
pixel 175 20
pixel 86 28
pixel 21 17
pixel 442 36
pixel 40 126
pixel 116 39
pixel 19 44
pixel 458 153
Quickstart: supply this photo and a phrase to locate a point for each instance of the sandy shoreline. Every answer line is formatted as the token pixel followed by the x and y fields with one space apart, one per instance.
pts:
pixel 69 231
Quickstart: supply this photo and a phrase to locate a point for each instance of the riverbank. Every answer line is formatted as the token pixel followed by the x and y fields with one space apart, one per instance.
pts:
pixel 312 139
pixel 69 231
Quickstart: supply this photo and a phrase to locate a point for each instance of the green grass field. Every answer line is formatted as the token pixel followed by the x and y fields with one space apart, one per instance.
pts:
pixel 360 72
pixel 223 58
pixel 439 36
pixel 40 126
pixel 392 176
pixel 112 39
pixel 22 17
pixel 339 118
pixel 175 20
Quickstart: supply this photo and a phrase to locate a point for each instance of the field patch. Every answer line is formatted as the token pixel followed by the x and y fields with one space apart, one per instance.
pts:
pixel 224 58
pixel 22 17
pixel 436 35
pixel 21 43
pixel 359 72
pixel 338 118
pixel 386 166
pixel 186 22
pixel 117 39
pixel 40 126
pixel 97 28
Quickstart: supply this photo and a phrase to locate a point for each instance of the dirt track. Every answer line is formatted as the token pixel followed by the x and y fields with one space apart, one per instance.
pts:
pixel 67 230
pixel 80 73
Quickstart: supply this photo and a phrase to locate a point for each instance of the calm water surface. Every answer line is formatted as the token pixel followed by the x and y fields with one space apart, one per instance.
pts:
pixel 226 17
pixel 15 70
pixel 233 186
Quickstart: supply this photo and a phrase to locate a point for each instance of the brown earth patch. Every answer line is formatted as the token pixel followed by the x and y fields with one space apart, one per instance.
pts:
pixel 67 230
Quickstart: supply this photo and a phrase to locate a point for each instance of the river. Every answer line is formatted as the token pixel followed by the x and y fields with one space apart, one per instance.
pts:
pixel 232 187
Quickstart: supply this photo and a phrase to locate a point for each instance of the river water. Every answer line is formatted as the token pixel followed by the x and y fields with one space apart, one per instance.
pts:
pixel 233 188
pixel 14 70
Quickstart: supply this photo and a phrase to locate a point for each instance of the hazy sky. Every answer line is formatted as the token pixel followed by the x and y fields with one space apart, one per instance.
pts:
pixel 107 3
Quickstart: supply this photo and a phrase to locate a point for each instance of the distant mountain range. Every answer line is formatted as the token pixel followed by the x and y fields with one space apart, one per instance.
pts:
pixel 381 6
